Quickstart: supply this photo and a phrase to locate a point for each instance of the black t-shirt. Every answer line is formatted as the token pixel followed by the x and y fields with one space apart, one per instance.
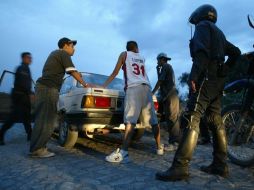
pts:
pixel 23 79
pixel 58 63
pixel 166 76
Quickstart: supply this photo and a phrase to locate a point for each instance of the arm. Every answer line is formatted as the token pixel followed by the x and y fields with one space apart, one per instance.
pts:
pixel 79 78
pixel 199 66
pixel 233 54
pixel 71 70
pixel 165 71
pixel 118 66
pixel 157 86
pixel 198 69
pixel 200 45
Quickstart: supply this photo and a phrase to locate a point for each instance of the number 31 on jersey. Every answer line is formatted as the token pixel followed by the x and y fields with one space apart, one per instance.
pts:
pixel 137 69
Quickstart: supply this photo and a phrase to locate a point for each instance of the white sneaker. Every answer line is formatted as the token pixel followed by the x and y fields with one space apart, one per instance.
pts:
pixel 42 153
pixel 118 156
pixel 160 150
pixel 170 147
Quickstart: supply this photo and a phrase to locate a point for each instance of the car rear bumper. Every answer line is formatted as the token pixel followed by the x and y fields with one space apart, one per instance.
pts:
pixel 108 118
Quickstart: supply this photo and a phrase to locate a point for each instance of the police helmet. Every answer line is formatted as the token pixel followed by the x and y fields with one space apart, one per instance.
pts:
pixel 204 12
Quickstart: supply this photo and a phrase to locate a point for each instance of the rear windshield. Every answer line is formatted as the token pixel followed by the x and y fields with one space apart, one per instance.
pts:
pixel 116 84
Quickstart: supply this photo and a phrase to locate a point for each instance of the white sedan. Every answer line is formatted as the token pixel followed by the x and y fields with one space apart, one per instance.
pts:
pixel 91 111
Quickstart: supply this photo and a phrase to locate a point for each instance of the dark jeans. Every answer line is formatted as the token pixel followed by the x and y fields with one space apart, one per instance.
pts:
pixel 21 112
pixel 171 109
pixel 45 116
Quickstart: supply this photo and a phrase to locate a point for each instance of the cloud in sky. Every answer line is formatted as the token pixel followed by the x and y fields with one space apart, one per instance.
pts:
pixel 103 27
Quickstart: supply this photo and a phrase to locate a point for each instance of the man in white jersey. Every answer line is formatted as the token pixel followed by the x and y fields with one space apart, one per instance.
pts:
pixel 138 102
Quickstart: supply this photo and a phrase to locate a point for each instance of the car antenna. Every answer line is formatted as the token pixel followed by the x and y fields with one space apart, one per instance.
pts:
pixel 250 20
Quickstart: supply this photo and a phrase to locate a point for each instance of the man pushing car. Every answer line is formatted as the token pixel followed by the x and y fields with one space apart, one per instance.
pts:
pixel 138 100
pixel 47 92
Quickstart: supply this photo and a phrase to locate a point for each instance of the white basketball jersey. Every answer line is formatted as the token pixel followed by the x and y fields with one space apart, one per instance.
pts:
pixel 134 70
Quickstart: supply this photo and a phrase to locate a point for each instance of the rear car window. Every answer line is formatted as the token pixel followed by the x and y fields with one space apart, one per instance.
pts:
pixel 116 84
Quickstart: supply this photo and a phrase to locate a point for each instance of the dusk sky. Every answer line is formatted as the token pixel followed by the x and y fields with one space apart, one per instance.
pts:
pixel 102 28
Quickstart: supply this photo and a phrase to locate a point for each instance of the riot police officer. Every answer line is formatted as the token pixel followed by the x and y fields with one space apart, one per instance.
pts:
pixel 208 49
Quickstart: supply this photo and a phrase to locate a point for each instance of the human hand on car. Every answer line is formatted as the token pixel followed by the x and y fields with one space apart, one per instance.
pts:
pixel 88 85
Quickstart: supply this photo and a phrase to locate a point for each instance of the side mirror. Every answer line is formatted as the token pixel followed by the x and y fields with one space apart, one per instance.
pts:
pixel 250 21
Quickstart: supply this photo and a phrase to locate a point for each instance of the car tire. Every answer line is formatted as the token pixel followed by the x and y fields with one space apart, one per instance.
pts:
pixel 138 134
pixel 68 135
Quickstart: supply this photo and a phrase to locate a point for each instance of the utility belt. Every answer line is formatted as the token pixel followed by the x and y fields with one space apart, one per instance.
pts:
pixel 216 69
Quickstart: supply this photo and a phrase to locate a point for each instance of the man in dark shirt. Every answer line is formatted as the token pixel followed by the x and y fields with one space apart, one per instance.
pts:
pixel 20 95
pixel 168 98
pixel 47 92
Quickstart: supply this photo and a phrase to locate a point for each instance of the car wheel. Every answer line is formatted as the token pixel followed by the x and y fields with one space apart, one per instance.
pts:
pixel 138 134
pixel 68 135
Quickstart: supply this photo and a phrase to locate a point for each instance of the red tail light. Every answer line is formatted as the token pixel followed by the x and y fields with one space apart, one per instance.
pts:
pixel 156 106
pixel 102 102
pixel 96 102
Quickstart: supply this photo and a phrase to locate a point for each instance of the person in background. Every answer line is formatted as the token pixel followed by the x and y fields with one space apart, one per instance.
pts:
pixel 47 92
pixel 21 103
pixel 168 99
pixel 138 102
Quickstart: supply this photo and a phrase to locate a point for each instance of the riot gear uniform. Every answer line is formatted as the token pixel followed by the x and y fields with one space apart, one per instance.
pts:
pixel 208 49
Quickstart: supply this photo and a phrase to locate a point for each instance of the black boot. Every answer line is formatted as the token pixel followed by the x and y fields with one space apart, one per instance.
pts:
pixel 216 170
pixel 173 174
pixel 219 165
pixel 180 167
